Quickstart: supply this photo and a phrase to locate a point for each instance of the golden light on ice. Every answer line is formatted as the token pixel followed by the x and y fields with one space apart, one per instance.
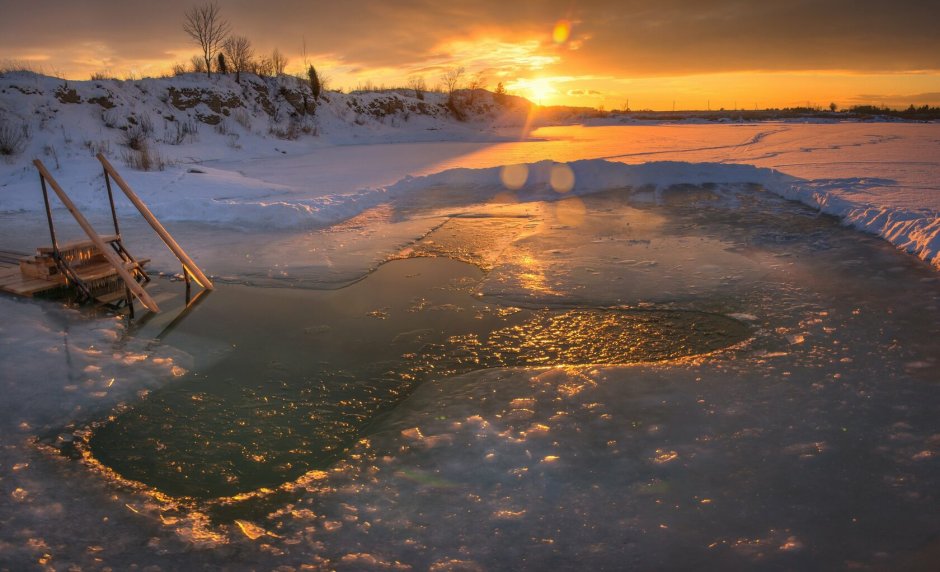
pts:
pixel 570 212
pixel 249 529
pixel 561 178
pixel 514 176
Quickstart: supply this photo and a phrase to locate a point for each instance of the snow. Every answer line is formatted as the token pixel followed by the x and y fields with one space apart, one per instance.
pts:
pixel 879 178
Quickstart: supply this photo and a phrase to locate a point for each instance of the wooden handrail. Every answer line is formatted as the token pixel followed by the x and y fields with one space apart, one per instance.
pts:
pixel 106 251
pixel 188 265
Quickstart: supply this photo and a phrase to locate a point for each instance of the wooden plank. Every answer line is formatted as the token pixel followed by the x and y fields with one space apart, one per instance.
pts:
pixel 99 270
pixel 106 251
pixel 13 277
pixel 76 244
pixel 29 286
pixel 188 263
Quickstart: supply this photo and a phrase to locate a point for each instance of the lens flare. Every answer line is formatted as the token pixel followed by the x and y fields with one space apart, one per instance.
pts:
pixel 514 176
pixel 562 31
pixel 561 178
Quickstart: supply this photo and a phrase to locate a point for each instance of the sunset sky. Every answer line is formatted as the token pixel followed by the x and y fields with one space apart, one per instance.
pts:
pixel 687 54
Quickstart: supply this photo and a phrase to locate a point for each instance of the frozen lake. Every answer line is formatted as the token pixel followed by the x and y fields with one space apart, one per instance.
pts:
pixel 687 374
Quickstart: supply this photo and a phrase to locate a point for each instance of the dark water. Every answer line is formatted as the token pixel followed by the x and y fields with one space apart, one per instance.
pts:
pixel 288 380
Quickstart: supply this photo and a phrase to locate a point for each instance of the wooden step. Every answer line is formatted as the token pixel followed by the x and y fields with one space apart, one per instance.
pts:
pixel 111 297
pixel 77 244
pixel 16 283
pixel 100 270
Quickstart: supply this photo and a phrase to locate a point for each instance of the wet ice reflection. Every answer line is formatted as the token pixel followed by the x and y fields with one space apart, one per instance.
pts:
pixel 813 446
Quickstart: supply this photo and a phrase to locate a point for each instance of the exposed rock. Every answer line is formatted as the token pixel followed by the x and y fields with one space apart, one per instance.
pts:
pixel 66 95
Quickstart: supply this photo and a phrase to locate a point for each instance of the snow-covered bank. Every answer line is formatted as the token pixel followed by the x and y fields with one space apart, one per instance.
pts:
pixel 250 156
pixel 210 195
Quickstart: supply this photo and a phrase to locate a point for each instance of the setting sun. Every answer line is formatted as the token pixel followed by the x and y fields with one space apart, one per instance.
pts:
pixel 538 90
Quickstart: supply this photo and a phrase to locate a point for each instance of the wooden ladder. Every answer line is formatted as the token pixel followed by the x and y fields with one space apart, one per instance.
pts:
pixel 112 250
pixel 79 261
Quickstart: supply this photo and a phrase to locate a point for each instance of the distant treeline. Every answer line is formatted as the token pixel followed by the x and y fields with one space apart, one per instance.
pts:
pixel 912 113
pixel 924 112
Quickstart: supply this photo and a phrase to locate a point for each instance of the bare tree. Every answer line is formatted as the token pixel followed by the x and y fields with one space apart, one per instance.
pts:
pixel 205 26
pixel 264 67
pixel 477 81
pixel 451 79
pixel 451 82
pixel 278 62
pixel 417 83
pixel 238 52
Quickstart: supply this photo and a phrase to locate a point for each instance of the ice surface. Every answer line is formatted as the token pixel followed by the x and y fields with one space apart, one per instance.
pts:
pixel 813 445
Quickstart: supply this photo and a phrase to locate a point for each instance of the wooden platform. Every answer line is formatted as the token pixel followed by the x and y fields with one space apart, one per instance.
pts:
pixel 12 280
pixel 99 269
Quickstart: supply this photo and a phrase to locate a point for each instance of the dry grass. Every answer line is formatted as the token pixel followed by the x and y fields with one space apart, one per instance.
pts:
pixel 13 138
pixel 144 159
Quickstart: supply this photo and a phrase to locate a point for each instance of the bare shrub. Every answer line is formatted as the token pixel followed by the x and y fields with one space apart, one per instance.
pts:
pixel 145 123
pixel 183 129
pixel 111 119
pixel 291 132
pixel 135 138
pixel 144 159
pixel 477 81
pixel 15 66
pixel 417 84
pixel 242 118
pixel 278 62
pixel 197 65
pixel 264 67
pixel 94 147
pixel 13 138
pixel 49 151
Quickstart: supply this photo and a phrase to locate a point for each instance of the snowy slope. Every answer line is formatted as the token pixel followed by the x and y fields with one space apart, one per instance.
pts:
pixel 259 155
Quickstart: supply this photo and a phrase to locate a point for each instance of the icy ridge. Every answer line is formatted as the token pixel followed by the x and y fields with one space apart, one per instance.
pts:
pixel 916 232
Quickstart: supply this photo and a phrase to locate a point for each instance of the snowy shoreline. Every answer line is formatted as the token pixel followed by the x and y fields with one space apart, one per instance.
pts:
pixel 263 167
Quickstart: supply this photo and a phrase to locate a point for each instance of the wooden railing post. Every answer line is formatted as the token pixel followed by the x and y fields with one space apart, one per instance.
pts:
pixel 107 252
pixel 188 265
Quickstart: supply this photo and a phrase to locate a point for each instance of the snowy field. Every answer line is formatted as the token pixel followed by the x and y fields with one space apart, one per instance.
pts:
pixel 813 444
